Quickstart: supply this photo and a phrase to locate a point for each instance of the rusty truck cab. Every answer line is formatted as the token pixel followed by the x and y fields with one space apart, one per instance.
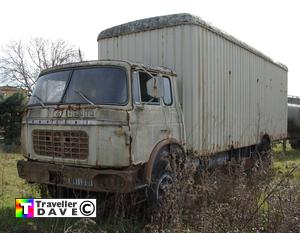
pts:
pixel 98 126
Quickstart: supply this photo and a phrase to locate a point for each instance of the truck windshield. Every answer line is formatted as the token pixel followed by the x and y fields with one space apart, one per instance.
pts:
pixel 96 86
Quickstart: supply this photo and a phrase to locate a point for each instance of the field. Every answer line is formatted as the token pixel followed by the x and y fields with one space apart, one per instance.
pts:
pixel 268 201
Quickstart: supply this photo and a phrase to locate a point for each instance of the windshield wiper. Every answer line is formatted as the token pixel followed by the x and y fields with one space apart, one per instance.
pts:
pixel 39 100
pixel 84 97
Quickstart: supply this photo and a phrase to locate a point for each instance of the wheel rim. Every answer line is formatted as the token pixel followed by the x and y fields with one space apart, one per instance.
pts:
pixel 163 185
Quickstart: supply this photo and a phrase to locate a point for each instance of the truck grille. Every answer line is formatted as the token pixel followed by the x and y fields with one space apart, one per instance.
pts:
pixel 61 143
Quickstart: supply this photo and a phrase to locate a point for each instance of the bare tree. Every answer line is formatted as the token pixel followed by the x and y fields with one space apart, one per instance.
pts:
pixel 20 63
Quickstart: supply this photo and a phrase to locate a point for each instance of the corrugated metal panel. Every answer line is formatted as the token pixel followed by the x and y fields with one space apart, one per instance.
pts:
pixel 229 95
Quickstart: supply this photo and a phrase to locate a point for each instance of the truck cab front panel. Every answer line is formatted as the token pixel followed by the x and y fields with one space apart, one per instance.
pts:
pixel 100 141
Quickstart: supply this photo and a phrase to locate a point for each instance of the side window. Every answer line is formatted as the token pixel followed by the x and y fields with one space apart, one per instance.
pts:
pixel 167 91
pixel 140 91
pixel 145 96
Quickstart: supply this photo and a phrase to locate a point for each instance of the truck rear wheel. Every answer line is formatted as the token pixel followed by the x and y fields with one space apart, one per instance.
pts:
pixel 262 156
pixel 264 146
pixel 295 144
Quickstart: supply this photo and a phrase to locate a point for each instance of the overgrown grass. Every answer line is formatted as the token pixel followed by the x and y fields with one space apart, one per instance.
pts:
pixel 283 163
pixel 268 201
pixel 10 224
pixel 11 186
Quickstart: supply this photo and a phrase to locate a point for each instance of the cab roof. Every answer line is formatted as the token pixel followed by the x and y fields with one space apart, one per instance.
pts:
pixel 134 65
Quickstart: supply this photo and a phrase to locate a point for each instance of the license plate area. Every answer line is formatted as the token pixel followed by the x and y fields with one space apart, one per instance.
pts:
pixel 81 182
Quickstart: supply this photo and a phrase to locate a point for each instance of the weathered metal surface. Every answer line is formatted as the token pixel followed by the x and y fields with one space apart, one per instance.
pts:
pixel 125 62
pixel 74 143
pixel 155 153
pixel 61 143
pixel 174 20
pixel 151 124
pixel 80 178
pixel 119 136
pixel 231 94
pixel 106 148
pixel 294 117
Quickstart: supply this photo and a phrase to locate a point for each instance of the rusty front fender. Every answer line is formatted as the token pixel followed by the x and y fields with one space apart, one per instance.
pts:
pixel 154 153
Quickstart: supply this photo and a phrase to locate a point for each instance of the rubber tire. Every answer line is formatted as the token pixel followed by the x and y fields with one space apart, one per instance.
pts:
pixel 264 145
pixel 295 144
pixel 161 170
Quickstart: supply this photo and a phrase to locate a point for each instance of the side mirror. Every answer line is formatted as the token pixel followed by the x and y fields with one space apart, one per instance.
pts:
pixel 155 87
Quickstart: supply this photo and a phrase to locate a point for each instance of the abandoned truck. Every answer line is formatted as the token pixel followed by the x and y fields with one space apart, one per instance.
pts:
pixel 294 121
pixel 107 125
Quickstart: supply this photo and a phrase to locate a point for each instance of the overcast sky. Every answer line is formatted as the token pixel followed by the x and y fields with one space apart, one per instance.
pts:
pixel 270 26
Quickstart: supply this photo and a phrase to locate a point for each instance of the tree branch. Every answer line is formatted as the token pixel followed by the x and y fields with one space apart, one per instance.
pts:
pixel 21 63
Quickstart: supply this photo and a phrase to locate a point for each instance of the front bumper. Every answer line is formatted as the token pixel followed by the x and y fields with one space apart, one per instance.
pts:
pixel 89 179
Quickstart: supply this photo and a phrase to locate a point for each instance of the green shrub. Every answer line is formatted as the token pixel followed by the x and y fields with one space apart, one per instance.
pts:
pixel 11 111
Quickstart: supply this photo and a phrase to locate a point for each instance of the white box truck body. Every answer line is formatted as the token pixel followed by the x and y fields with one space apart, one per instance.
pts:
pixel 231 94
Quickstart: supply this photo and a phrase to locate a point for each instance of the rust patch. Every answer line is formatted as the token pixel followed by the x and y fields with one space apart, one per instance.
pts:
pixel 61 143
pixel 154 153
pixel 90 179
pixel 120 131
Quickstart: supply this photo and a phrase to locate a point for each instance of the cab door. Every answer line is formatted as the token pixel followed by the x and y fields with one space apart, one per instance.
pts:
pixel 154 117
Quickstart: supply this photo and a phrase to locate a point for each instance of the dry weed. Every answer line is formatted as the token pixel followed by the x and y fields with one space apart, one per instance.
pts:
pixel 228 200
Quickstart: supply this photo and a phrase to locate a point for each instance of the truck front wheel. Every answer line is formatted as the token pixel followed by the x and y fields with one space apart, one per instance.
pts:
pixel 163 173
